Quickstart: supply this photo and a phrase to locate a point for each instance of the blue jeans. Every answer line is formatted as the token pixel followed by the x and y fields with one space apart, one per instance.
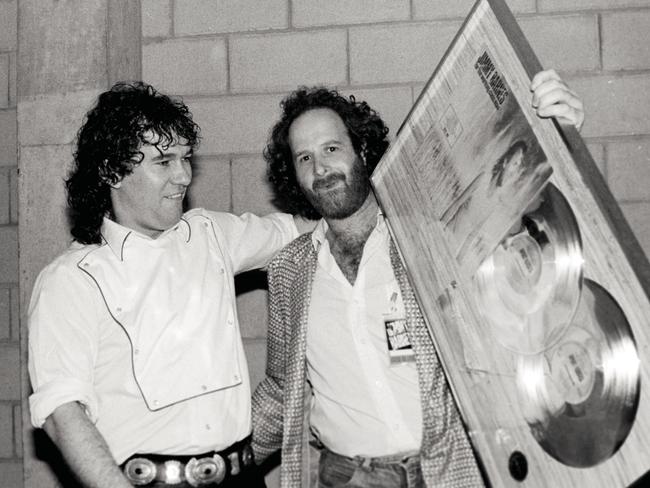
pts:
pixel 399 471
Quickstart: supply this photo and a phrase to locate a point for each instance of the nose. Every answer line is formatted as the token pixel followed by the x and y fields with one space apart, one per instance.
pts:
pixel 182 173
pixel 320 166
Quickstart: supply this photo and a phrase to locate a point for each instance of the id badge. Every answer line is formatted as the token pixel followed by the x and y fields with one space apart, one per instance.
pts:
pixel 397 339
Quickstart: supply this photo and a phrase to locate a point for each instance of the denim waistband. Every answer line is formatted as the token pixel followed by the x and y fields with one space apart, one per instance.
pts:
pixel 378 461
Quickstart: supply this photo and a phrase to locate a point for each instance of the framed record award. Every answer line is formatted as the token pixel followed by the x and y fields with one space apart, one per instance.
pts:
pixel 532 284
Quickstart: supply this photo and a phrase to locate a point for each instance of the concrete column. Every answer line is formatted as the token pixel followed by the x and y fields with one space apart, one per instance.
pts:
pixel 68 52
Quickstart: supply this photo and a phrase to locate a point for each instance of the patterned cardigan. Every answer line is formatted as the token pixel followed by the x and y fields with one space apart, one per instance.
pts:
pixel 281 403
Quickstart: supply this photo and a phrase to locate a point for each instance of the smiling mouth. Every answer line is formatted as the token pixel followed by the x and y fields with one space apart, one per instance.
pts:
pixel 176 196
pixel 328 183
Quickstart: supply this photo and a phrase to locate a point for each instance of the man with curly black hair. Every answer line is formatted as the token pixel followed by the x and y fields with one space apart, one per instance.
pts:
pixel 135 355
pixel 349 357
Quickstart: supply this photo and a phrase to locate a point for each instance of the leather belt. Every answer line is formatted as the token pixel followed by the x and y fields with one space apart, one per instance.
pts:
pixel 205 470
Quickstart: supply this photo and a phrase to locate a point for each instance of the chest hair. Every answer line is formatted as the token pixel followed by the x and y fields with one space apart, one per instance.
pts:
pixel 347 253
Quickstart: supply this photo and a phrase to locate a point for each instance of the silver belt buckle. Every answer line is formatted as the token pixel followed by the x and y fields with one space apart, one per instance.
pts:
pixel 205 470
pixel 140 471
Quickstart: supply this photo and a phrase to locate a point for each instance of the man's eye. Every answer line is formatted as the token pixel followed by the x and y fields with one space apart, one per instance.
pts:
pixel 187 159
pixel 332 148
pixel 303 159
pixel 164 162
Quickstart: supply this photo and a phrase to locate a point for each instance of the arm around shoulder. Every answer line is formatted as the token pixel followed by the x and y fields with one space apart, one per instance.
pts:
pixel 84 448
pixel 304 225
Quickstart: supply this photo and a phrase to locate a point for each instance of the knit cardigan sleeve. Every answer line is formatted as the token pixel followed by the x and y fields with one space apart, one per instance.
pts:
pixel 269 394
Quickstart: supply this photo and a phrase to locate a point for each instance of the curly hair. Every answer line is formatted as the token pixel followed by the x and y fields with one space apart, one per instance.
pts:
pixel 108 148
pixel 367 131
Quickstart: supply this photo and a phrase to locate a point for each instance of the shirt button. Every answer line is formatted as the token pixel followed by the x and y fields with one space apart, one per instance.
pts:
pixel 155 403
pixel 204 388
pixel 207 427
pixel 118 309
pixel 236 378
pixel 136 352
pixel 222 271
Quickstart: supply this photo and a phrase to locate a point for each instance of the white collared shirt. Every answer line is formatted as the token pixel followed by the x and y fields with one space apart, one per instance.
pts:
pixel 363 404
pixel 144 333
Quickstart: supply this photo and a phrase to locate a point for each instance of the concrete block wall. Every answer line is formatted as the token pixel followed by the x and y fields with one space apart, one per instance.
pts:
pixel 10 411
pixel 233 61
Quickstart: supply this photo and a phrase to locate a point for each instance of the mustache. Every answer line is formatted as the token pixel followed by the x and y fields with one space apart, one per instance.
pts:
pixel 327 181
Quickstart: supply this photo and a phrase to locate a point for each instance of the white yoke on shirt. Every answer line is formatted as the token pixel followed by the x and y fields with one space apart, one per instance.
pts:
pixel 144 332
pixel 362 404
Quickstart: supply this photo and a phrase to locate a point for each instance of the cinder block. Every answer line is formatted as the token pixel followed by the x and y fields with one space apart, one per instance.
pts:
pixel 11 475
pixel 5 196
pixel 628 165
pixel 5 313
pixel 6 431
pixel 44 231
pixel 8 147
pixel 235 124
pixel 614 105
pixel 392 104
pixel 4 80
pixel 252 304
pixel 12 79
pixel 53 119
pixel 284 61
pixel 10 367
pixel 625 43
pixel 637 216
pixel 8 254
pixel 18 431
pixel 308 13
pixel 251 189
pixel 62 46
pixel 208 16
pixel 403 53
pixel 256 355
pixel 199 66
pixel 15 313
pixel 211 186
pixel 563 5
pixel 567 43
pixel 8 25
pixel 13 195
pixel 156 18
pixel 443 9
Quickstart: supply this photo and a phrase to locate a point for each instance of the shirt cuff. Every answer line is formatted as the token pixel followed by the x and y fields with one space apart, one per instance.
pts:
pixel 50 396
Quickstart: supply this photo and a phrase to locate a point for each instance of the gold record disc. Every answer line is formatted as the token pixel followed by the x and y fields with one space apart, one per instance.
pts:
pixel 580 397
pixel 528 289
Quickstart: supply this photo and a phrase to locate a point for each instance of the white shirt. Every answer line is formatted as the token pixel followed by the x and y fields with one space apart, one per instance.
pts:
pixel 144 333
pixel 363 404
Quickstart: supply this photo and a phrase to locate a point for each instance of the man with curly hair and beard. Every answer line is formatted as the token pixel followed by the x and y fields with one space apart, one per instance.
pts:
pixel 135 355
pixel 350 362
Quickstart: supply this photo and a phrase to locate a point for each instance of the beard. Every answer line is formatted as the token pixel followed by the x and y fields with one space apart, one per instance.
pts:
pixel 343 200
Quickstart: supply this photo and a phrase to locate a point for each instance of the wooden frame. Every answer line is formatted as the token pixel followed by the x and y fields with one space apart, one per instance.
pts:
pixel 431 185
